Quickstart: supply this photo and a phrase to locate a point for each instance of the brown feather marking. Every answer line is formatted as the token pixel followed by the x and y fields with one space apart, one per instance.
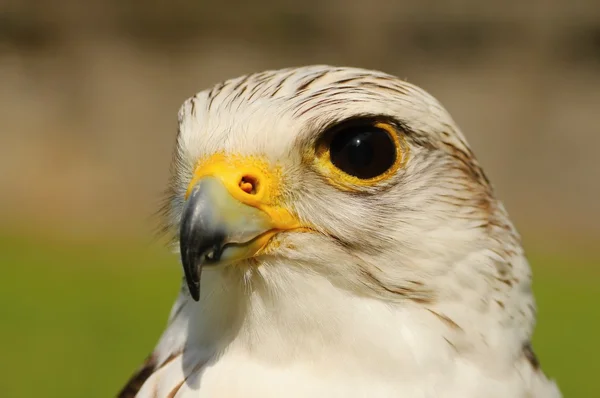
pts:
pixel 417 295
pixel 136 382
pixel 281 83
pixel 175 390
pixel 530 356
pixel 445 319
pixel 149 367
pixel 169 359
pixel 214 92
pixel 451 344
pixel 421 300
pixel 507 282
pixel 310 81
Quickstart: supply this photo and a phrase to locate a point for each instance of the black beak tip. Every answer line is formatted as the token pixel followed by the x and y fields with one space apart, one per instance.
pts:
pixel 201 240
pixel 194 289
pixel 192 264
pixel 189 260
pixel 192 279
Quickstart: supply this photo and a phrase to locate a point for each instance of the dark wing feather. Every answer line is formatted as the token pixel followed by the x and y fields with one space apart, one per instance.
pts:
pixel 169 347
pixel 136 381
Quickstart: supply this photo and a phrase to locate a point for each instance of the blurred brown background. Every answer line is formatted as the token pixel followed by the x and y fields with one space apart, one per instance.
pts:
pixel 89 94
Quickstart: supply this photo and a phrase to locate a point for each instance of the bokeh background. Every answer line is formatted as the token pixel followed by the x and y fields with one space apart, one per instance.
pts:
pixel 88 99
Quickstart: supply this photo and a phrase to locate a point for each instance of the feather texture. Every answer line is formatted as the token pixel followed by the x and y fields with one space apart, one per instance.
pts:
pixel 416 286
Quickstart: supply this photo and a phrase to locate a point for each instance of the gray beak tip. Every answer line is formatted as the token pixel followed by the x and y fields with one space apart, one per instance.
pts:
pixel 200 240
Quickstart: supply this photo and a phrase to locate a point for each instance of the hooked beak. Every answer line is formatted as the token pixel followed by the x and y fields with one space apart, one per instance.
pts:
pixel 230 214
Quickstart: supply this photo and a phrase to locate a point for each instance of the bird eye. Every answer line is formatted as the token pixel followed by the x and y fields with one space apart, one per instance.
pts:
pixel 364 152
pixel 359 153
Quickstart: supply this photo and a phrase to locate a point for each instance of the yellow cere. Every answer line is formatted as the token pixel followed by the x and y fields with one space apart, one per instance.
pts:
pixel 347 182
pixel 252 181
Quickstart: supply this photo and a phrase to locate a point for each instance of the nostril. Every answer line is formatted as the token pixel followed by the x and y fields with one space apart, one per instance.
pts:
pixel 249 184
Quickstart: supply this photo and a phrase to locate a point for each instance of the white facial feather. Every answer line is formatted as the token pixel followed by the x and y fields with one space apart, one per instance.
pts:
pixel 417 287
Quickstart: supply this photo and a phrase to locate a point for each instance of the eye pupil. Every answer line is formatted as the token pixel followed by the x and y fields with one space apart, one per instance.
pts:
pixel 363 151
pixel 360 150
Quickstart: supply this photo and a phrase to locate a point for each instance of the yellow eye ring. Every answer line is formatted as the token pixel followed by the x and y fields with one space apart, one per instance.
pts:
pixel 357 155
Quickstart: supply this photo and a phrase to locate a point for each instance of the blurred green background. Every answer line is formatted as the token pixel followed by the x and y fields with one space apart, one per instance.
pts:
pixel 89 94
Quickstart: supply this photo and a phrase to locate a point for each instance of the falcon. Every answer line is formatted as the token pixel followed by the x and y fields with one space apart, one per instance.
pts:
pixel 338 239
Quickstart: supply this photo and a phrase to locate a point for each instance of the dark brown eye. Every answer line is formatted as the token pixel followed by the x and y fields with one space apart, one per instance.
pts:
pixel 364 152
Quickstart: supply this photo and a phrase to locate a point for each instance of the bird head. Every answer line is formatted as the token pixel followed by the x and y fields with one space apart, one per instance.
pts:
pixel 348 174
